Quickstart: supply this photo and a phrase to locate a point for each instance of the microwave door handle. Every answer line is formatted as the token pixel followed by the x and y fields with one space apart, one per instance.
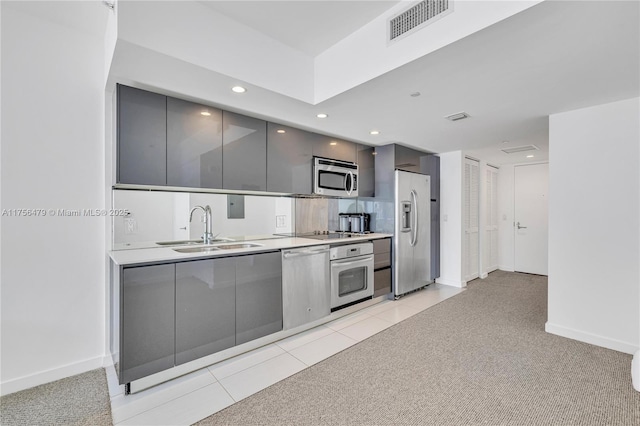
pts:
pixel 414 225
pixel 349 185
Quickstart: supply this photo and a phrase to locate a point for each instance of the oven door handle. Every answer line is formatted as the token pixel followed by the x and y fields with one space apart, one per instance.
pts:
pixel 341 263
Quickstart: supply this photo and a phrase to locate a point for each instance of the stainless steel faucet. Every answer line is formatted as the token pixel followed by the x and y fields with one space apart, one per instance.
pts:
pixel 207 237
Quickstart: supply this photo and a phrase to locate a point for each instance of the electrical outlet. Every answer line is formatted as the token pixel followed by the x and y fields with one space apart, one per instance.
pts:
pixel 129 226
pixel 280 221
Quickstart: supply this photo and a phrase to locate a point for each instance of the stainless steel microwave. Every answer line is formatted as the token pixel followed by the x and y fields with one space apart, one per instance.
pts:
pixel 335 178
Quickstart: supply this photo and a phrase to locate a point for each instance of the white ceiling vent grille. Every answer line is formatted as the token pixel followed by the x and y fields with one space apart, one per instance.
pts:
pixel 457 116
pixel 517 149
pixel 418 16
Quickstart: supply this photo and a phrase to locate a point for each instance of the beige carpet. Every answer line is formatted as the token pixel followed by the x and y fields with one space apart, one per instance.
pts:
pixel 481 357
pixel 78 400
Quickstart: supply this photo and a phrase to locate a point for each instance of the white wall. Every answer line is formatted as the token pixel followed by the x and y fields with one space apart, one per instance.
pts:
pixel 52 268
pixel 451 219
pixel 594 220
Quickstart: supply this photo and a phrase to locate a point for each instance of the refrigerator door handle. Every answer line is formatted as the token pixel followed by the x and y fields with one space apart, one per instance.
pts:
pixel 414 225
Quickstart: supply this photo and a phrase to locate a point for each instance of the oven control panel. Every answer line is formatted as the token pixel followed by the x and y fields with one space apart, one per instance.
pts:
pixel 351 250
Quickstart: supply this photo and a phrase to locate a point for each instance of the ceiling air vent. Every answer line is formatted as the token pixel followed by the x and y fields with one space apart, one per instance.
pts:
pixel 457 116
pixel 523 148
pixel 418 16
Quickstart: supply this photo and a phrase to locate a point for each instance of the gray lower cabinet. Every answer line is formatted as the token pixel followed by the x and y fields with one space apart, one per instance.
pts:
pixel 205 308
pixel 382 267
pixel 141 137
pixel 147 320
pixel 289 159
pixel 244 149
pixel 194 145
pixel 336 149
pixel 258 296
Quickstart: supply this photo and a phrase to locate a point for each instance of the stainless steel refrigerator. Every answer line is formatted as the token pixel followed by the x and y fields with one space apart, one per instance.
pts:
pixel 412 237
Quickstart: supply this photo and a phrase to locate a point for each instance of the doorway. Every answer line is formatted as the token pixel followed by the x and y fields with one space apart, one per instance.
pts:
pixel 531 218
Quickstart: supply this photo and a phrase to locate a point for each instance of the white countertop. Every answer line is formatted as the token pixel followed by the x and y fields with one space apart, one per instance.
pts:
pixel 167 254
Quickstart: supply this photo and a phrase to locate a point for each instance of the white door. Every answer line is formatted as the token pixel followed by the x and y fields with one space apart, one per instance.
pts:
pixel 491 220
pixel 531 221
pixel 471 218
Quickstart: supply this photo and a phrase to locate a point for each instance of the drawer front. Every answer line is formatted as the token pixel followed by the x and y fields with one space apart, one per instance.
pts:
pixel 382 246
pixel 382 282
pixel 381 260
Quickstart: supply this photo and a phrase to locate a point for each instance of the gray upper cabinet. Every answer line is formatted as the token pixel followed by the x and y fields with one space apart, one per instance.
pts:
pixel 194 145
pixel 289 159
pixel 366 171
pixel 205 308
pixel 141 137
pixel 147 320
pixel 258 296
pixel 244 151
pixel 408 159
pixel 336 149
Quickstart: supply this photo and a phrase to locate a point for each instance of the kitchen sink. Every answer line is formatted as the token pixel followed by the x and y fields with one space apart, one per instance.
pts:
pixel 191 242
pixel 237 246
pixel 206 249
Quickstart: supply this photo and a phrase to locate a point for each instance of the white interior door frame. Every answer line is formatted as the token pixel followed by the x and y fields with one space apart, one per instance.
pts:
pixel 471 219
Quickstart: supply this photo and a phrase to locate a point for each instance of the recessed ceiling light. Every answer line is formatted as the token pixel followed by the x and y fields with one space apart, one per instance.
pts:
pixel 374 132
pixel 280 131
pixel 205 113
pixel 333 143
pixel 530 156
pixel 322 115
pixel 415 94
pixel 238 89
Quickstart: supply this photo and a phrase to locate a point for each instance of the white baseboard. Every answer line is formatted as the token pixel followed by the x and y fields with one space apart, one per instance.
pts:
pixel 484 275
pixel 506 268
pixel 32 380
pixel 635 371
pixel 452 283
pixel 590 338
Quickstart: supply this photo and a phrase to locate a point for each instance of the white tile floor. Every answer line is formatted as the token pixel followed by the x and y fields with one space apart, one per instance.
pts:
pixel 193 397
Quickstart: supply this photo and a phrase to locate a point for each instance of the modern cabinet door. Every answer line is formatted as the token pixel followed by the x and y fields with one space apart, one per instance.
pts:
pixel 147 335
pixel 336 149
pixel 382 267
pixel 205 308
pixel 289 159
pixel 258 296
pixel 244 150
pixel 194 145
pixel 366 171
pixel 408 159
pixel 142 139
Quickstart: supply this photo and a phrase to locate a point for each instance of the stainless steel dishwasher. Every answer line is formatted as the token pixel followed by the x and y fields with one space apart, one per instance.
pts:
pixel 306 285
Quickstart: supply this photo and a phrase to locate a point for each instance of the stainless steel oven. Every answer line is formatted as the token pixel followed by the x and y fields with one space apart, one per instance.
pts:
pixel 351 274
pixel 335 178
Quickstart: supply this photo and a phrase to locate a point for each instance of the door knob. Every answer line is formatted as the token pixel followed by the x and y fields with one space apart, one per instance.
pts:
pixel 520 227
